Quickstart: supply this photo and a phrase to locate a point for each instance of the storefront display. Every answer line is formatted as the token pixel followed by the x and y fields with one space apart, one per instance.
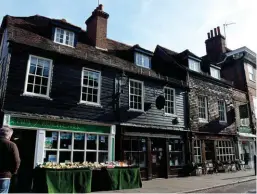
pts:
pixel 75 147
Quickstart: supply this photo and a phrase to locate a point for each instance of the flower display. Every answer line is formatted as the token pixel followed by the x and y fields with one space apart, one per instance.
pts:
pixel 90 165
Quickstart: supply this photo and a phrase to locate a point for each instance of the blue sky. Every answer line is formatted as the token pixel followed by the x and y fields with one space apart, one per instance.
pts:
pixel 177 25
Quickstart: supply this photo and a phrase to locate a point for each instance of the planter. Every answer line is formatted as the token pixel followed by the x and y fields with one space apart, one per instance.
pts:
pixel 197 172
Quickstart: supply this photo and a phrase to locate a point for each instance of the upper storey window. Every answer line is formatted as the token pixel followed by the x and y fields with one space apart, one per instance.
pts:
pixel 251 72
pixel 143 60
pixel 194 65
pixel 64 37
pixel 215 72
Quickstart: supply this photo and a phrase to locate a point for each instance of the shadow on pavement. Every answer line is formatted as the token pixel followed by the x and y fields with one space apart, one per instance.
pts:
pixel 238 177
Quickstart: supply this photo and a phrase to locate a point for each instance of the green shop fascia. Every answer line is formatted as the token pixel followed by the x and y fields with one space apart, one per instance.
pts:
pixel 62 141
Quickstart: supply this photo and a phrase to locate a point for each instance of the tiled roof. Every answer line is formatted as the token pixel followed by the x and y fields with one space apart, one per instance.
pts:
pixel 31 31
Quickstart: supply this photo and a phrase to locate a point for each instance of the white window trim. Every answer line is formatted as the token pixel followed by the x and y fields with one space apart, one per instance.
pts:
pixel 140 65
pixel 253 70
pixel 225 113
pixel 72 150
pixel 216 69
pixel 25 93
pixel 244 125
pixel 198 64
pixel 198 145
pixel 174 95
pixel 221 147
pixel 142 99
pixel 203 120
pixel 64 37
pixel 98 104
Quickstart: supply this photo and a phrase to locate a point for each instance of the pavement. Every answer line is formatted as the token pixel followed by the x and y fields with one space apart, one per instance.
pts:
pixel 245 187
pixel 192 184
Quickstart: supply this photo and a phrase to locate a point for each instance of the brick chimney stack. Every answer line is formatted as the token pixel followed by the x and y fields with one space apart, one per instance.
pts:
pixel 215 45
pixel 97 27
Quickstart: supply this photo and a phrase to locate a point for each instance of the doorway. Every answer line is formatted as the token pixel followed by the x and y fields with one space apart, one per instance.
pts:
pixel 158 158
pixel 25 141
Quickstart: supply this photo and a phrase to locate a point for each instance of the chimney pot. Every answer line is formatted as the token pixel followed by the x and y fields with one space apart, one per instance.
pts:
pixel 101 7
pixel 208 34
pixel 218 29
pixel 211 33
pixel 215 31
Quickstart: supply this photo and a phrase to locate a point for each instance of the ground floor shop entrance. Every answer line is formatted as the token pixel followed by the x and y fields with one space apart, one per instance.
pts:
pixel 247 150
pixel 158 155
pixel 213 148
pixel 25 141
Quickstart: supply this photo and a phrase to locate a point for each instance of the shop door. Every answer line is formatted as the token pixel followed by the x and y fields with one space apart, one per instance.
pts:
pixel 158 158
pixel 25 141
pixel 209 150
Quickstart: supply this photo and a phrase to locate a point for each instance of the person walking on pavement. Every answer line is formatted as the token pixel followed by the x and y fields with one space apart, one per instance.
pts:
pixel 9 159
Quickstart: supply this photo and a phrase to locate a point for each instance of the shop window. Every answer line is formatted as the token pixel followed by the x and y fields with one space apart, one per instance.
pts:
pixel 197 151
pixel 176 156
pixel 75 147
pixel 225 151
pixel 135 151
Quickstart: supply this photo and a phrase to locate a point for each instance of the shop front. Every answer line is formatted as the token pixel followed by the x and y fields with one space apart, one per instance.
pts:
pixel 158 153
pixel 41 140
pixel 246 146
pixel 207 148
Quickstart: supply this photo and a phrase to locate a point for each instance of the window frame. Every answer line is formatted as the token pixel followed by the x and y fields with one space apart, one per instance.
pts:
pixel 206 109
pixel 244 122
pixel 142 98
pixel 72 150
pixel 181 151
pixel 64 37
pixel 194 62
pixel 250 67
pixel 49 78
pixel 174 101
pixel 198 147
pixel 99 87
pixel 142 55
pixel 225 150
pixel 216 69
pixel 225 110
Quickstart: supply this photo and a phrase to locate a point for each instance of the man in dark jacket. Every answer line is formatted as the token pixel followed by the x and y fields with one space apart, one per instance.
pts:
pixel 9 158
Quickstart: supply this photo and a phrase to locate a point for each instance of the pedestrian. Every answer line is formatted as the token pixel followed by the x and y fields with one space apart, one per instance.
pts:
pixel 10 159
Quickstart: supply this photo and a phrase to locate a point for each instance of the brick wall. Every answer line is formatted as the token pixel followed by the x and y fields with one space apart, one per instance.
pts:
pixel 213 92
pixel 240 98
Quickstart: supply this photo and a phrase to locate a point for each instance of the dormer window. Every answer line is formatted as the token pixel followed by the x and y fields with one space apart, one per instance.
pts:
pixel 194 65
pixel 215 72
pixel 64 37
pixel 143 60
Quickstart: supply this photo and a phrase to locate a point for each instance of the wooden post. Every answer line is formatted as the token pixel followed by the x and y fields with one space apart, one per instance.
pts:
pixel 203 151
pixel 166 152
pixel 149 157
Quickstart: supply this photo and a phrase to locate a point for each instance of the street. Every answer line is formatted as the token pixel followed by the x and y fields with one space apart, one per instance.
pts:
pixel 246 187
